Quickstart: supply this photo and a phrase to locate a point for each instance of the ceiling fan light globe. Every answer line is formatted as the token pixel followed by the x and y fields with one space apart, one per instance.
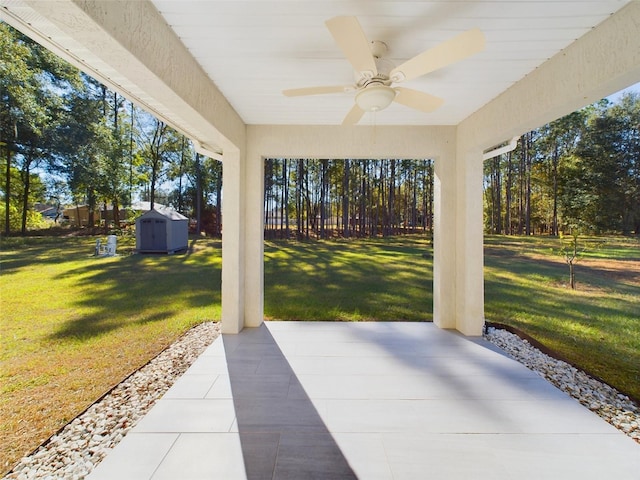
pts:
pixel 375 98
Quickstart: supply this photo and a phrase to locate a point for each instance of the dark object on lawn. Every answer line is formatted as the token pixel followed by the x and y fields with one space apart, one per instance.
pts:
pixel 162 230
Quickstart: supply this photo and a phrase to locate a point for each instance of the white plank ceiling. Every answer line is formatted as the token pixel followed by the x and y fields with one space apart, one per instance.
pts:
pixel 252 50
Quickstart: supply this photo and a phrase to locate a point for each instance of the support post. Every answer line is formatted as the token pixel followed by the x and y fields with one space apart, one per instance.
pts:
pixel 458 278
pixel 254 246
pixel 469 243
pixel 444 237
pixel 233 242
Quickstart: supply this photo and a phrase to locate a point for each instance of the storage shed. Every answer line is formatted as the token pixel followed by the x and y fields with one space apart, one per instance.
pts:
pixel 162 230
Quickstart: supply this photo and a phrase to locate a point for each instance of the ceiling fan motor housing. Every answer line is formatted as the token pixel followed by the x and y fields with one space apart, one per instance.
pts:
pixel 375 97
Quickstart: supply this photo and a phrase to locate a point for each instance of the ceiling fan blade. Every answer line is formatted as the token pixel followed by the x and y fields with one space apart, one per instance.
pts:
pixel 299 92
pixel 453 50
pixel 418 100
pixel 354 115
pixel 350 37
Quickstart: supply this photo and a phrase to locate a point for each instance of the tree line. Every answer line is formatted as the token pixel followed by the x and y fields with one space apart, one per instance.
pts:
pixel 578 173
pixel 324 198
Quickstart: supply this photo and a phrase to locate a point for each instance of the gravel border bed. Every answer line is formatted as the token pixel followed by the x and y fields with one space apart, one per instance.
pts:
pixel 614 407
pixel 75 450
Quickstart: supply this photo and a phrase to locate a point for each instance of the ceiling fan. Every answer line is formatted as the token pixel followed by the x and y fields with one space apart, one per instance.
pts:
pixel 375 75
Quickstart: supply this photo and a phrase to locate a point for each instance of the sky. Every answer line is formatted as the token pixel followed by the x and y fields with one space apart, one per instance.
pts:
pixel 616 96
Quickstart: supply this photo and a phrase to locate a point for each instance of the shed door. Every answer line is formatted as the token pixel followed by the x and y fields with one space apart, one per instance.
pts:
pixel 154 234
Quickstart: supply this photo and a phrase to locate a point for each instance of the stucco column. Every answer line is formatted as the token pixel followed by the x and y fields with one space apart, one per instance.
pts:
pixel 469 292
pixel 444 239
pixel 233 242
pixel 254 241
pixel 458 281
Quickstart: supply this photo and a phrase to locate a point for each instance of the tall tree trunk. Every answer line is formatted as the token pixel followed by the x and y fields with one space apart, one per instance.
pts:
pixel 268 167
pixel 218 208
pixel 498 193
pixel 26 181
pixel 430 181
pixel 554 173
pixel 363 206
pixel 117 154
pixel 521 186
pixel 345 199
pixel 528 161
pixel 307 197
pixel 131 158
pixel 383 200
pixel 198 195
pixel 156 160
pixel 152 189
pixel 299 199
pixel 105 214
pixel 91 209
pixel 285 183
pixel 392 195
pixel 116 213
pixel 180 174
pixel 104 100
pixel 7 191
pixel 281 210
pixel 507 213
pixel 414 200
pixel 323 196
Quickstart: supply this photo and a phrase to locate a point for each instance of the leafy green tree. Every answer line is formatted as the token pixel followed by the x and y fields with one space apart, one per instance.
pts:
pixel 608 170
pixel 87 139
pixel 178 173
pixel 627 111
pixel 203 195
pixel 116 172
pixel 33 86
pixel 160 146
pixel 31 219
pixel 557 143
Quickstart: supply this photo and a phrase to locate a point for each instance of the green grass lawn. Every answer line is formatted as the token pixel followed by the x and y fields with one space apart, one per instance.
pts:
pixel 73 325
pixel 596 326
pixel 380 279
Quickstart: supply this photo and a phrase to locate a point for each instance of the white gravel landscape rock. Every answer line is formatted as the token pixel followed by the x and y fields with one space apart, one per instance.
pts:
pixel 82 444
pixel 617 409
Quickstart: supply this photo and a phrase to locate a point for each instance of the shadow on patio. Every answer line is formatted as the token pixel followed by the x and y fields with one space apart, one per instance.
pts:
pixel 298 400
pixel 281 432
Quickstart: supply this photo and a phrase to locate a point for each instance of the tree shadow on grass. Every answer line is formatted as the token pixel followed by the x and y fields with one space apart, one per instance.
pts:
pixel 540 292
pixel 139 289
pixel 23 252
pixel 90 326
pixel 344 281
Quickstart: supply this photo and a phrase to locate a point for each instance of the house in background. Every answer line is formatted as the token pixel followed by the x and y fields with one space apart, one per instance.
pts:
pixel 78 215
pixel 49 212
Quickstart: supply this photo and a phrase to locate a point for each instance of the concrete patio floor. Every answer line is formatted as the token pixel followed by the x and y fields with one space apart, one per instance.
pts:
pixel 323 400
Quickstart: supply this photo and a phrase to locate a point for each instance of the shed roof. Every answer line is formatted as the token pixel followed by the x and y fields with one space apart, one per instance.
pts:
pixel 167 212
